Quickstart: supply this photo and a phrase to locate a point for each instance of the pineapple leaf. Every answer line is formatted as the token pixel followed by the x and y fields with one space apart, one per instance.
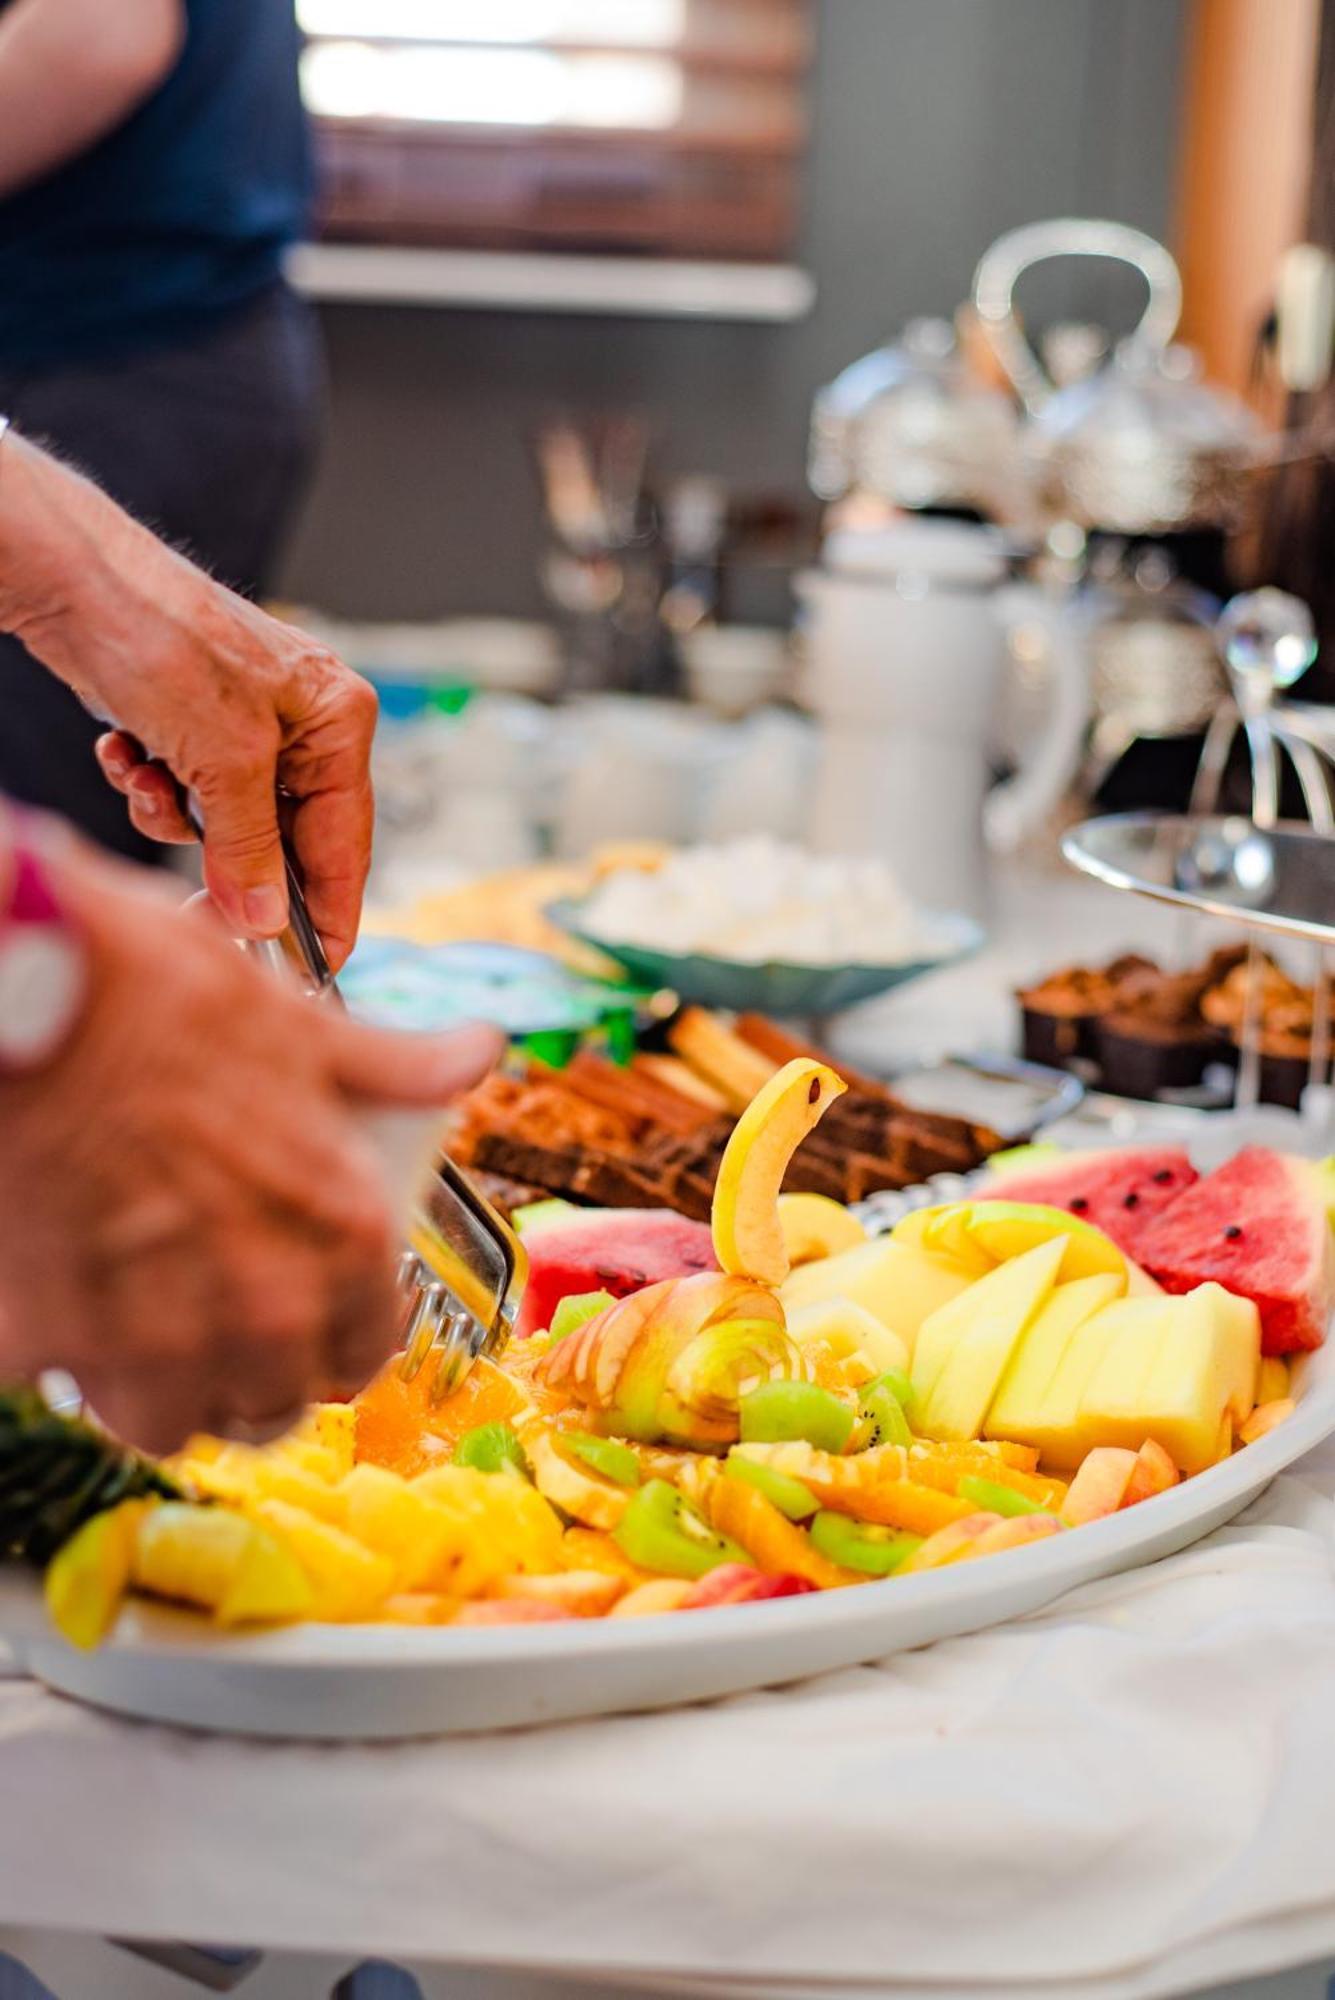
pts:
pixel 56 1472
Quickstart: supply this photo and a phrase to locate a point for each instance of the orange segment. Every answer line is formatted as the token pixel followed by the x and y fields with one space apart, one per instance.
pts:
pixel 400 1428
pixel 772 1541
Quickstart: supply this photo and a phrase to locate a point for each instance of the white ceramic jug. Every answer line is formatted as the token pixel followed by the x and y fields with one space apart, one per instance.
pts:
pixel 906 645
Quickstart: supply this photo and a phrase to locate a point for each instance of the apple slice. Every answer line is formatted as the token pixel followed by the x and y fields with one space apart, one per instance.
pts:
pixel 963 1350
pixel 897 1282
pixel 976 1235
pixel 747 1228
pixel 1154 1473
pixel 646 1600
pixel 1013 1534
pixel 1265 1418
pixel 951 1544
pixel 1099 1487
pixel 815 1226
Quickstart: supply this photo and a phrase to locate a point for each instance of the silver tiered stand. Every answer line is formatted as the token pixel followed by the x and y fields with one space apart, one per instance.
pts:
pixel 1258 872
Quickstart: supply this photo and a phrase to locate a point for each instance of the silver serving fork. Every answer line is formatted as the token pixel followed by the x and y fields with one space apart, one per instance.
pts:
pixel 462 1271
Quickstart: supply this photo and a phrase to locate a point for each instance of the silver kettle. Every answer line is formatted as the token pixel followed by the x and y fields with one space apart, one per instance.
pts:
pixel 912 425
pixel 1143 446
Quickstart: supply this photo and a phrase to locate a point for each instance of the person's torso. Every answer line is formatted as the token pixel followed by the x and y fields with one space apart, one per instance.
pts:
pixel 175 218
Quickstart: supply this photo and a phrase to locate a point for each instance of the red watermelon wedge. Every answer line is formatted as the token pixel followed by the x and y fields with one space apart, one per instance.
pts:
pixel 616 1250
pixel 1121 1192
pixel 1258 1227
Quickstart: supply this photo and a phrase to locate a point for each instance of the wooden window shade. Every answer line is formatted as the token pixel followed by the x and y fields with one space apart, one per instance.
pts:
pixel 658 127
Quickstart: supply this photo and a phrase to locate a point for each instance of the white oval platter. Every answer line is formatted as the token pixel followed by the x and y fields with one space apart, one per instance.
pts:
pixel 332 1681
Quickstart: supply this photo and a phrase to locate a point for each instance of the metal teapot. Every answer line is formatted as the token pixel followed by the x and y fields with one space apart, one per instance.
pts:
pixel 912 425
pixel 1143 446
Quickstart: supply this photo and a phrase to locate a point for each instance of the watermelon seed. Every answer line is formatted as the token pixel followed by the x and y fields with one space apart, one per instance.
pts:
pixel 1232 1233
pixel 1164 1175
pixel 1131 1201
pixel 1079 1205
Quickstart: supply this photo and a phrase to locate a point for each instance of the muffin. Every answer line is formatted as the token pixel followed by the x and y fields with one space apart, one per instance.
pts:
pixel 1060 1014
pixel 1154 1037
pixel 1285 1019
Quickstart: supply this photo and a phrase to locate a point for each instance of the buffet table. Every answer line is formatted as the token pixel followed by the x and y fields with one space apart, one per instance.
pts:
pixel 1124 1796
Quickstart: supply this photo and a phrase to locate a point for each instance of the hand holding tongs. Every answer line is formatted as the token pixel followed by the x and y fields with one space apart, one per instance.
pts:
pixel 462 1272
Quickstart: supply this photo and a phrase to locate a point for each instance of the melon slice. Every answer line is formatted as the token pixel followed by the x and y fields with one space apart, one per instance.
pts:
pixel 1019 1408
pixel 616 1250
pixel 963 1350
pixel 1122 1192
pixel 1257 1227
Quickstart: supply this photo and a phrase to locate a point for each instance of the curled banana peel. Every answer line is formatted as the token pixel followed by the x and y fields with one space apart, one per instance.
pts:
pixel 747 1227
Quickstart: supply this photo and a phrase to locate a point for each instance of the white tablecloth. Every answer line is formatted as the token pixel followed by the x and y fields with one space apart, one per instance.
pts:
pixel 1125 1796
pixel 1070 1802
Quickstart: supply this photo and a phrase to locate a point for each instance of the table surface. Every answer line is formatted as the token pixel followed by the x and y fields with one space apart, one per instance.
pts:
pixel 1025 1806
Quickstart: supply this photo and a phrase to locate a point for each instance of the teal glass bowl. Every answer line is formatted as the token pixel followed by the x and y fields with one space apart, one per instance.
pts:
pixel 772 986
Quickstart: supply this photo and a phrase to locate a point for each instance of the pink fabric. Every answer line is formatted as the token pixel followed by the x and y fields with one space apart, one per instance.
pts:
pixel 31 899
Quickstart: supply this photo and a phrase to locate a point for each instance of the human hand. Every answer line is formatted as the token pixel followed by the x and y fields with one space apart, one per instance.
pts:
pixel 192 1219
pixel 209 695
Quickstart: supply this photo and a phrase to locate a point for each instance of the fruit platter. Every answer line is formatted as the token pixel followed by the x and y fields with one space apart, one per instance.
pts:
pixel 715 1455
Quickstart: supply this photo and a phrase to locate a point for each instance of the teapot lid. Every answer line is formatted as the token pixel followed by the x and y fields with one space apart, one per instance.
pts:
pixel 911 424
pixel 1148 399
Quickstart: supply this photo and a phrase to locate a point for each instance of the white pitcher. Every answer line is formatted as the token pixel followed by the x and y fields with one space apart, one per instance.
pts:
pixel 906 632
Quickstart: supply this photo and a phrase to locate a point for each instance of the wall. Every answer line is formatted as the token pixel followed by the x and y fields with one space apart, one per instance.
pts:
pixel 937 124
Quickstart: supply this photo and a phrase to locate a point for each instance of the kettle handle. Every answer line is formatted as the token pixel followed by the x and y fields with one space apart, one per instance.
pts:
pixel 1018 808
pixel 1001 266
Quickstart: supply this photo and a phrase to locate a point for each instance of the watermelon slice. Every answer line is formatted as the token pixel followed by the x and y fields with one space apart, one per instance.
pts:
pixel 1121 1192
pixel 616 1250
pixel 1258 1227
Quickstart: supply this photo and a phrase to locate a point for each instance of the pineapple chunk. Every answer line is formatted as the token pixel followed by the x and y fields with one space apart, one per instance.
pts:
pixel 1272 1380
pixel 1176 1370
pixel 220 1560
pixel 1019 1406
pixel 88 1577
pixel 507 1525
pixel 963 1350
pixel 335 1427
pixel 348 1582
pixel 242 1476
pixel 388 1515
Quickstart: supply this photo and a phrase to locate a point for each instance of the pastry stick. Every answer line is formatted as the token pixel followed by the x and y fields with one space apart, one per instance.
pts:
pixel 720 1056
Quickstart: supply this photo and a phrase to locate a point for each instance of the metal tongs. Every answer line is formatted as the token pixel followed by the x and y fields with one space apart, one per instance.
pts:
pixel 463 1269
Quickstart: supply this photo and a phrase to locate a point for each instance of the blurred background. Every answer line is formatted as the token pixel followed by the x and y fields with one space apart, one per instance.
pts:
pixel 839 422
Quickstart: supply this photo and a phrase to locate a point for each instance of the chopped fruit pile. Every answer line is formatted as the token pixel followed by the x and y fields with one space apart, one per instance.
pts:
pixel 782 1408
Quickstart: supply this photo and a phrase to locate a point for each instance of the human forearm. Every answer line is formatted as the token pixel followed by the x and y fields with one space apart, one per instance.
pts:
pixel 61 543
pixel 71 71
pixel 208 694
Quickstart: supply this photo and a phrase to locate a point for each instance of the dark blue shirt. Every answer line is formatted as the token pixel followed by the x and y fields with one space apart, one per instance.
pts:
pixel 176 218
